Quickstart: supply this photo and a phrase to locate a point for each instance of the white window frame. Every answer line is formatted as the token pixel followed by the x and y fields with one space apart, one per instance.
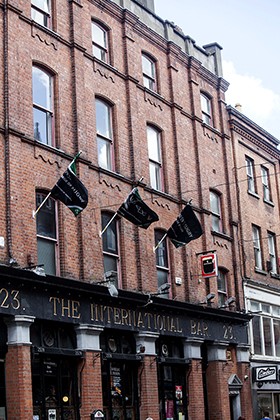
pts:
pixel 265 183
pixel 100 49
pixel 222 292
pixel 112 254
pixel 162 260
pixel 155 157
pixel 250 175
pixel 206 109
pixel 271 315
pixel 104 134
pixel 43 111
pixel 256 231
pixel 149 72
pixel 272 252
pixel 216 212
pixel 40 236
pixel 41 15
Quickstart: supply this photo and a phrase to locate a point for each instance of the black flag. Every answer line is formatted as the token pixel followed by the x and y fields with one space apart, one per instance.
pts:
pixel 136 211
pixel 185 228
pixel 70 190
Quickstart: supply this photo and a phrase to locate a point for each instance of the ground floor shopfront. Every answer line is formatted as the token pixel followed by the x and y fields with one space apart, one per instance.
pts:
pixel 69 349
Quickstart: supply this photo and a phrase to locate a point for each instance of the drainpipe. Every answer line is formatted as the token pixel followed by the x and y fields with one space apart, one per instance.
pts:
pixel 6 135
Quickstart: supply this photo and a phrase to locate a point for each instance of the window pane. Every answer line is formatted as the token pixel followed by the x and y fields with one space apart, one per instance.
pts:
pixel 98 35
pixel 267 336
pixel 148 67
pixel 162 277
pixel 103 123
pixel 104 153
pixel 46 254
pixel 276 326
pixel 40 119
pixel 161 251
pixel 99 53
pixel 41 84
pixel 216 223
pixel 153 144
pixel 155 176
pixel 256 335
pixel 109 237
pixel 45 218
pixel 41 4
pixel 214 203
pixel 221 281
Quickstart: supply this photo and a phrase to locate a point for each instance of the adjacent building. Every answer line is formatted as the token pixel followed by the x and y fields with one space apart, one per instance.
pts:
pixel 99 317
pixel 256 169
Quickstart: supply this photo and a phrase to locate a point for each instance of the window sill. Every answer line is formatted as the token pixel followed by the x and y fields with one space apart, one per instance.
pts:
pixel 260 271
pixel 221 235
pixel 268 202
pixel 275 276
pixel 253 194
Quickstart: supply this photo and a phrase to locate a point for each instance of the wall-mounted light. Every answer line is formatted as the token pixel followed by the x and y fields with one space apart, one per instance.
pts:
pixel 208 299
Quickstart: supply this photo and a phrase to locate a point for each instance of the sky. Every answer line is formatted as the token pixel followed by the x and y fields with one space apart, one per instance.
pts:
pixel 249 33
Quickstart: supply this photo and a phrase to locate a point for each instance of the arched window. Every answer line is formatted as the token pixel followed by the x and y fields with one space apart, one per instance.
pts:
pixel 155 158
pixel 149 72
pixel 43 115
pixel 206 109
pixel 47 242
pixel 104 134
pixel 41 12
pixel 99 41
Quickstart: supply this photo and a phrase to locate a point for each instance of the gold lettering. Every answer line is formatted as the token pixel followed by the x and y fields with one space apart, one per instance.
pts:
pixel 205 329
pixel 65 308
pixel 54 300
pixel 124 316
pixel 193 327
pixel 172 326
pixel 117 317
pixel 140 322
pixel 6 295
pixel 148 317
pixel 75 308
pixel 179 329
pixel 15 301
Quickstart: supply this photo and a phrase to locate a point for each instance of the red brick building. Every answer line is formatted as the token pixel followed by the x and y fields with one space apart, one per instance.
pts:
pixel 256 169
pixel 109 325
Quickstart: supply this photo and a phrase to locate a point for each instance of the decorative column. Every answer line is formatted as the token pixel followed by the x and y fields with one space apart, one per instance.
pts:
pixel 217 382
pixel 192 351
pixel 148 380
pixel 90 369
pixel 18 368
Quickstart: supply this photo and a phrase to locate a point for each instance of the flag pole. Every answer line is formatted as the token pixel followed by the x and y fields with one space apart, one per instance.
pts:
pixel 108 224
pixel 41 205
pixel 158 244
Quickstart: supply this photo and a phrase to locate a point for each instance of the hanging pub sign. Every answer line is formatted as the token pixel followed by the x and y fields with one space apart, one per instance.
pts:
pixel 265 374
pixel 209 267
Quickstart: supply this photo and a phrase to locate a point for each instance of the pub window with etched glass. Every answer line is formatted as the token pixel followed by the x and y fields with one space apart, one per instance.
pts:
pixel 47 243
pixel 265 329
